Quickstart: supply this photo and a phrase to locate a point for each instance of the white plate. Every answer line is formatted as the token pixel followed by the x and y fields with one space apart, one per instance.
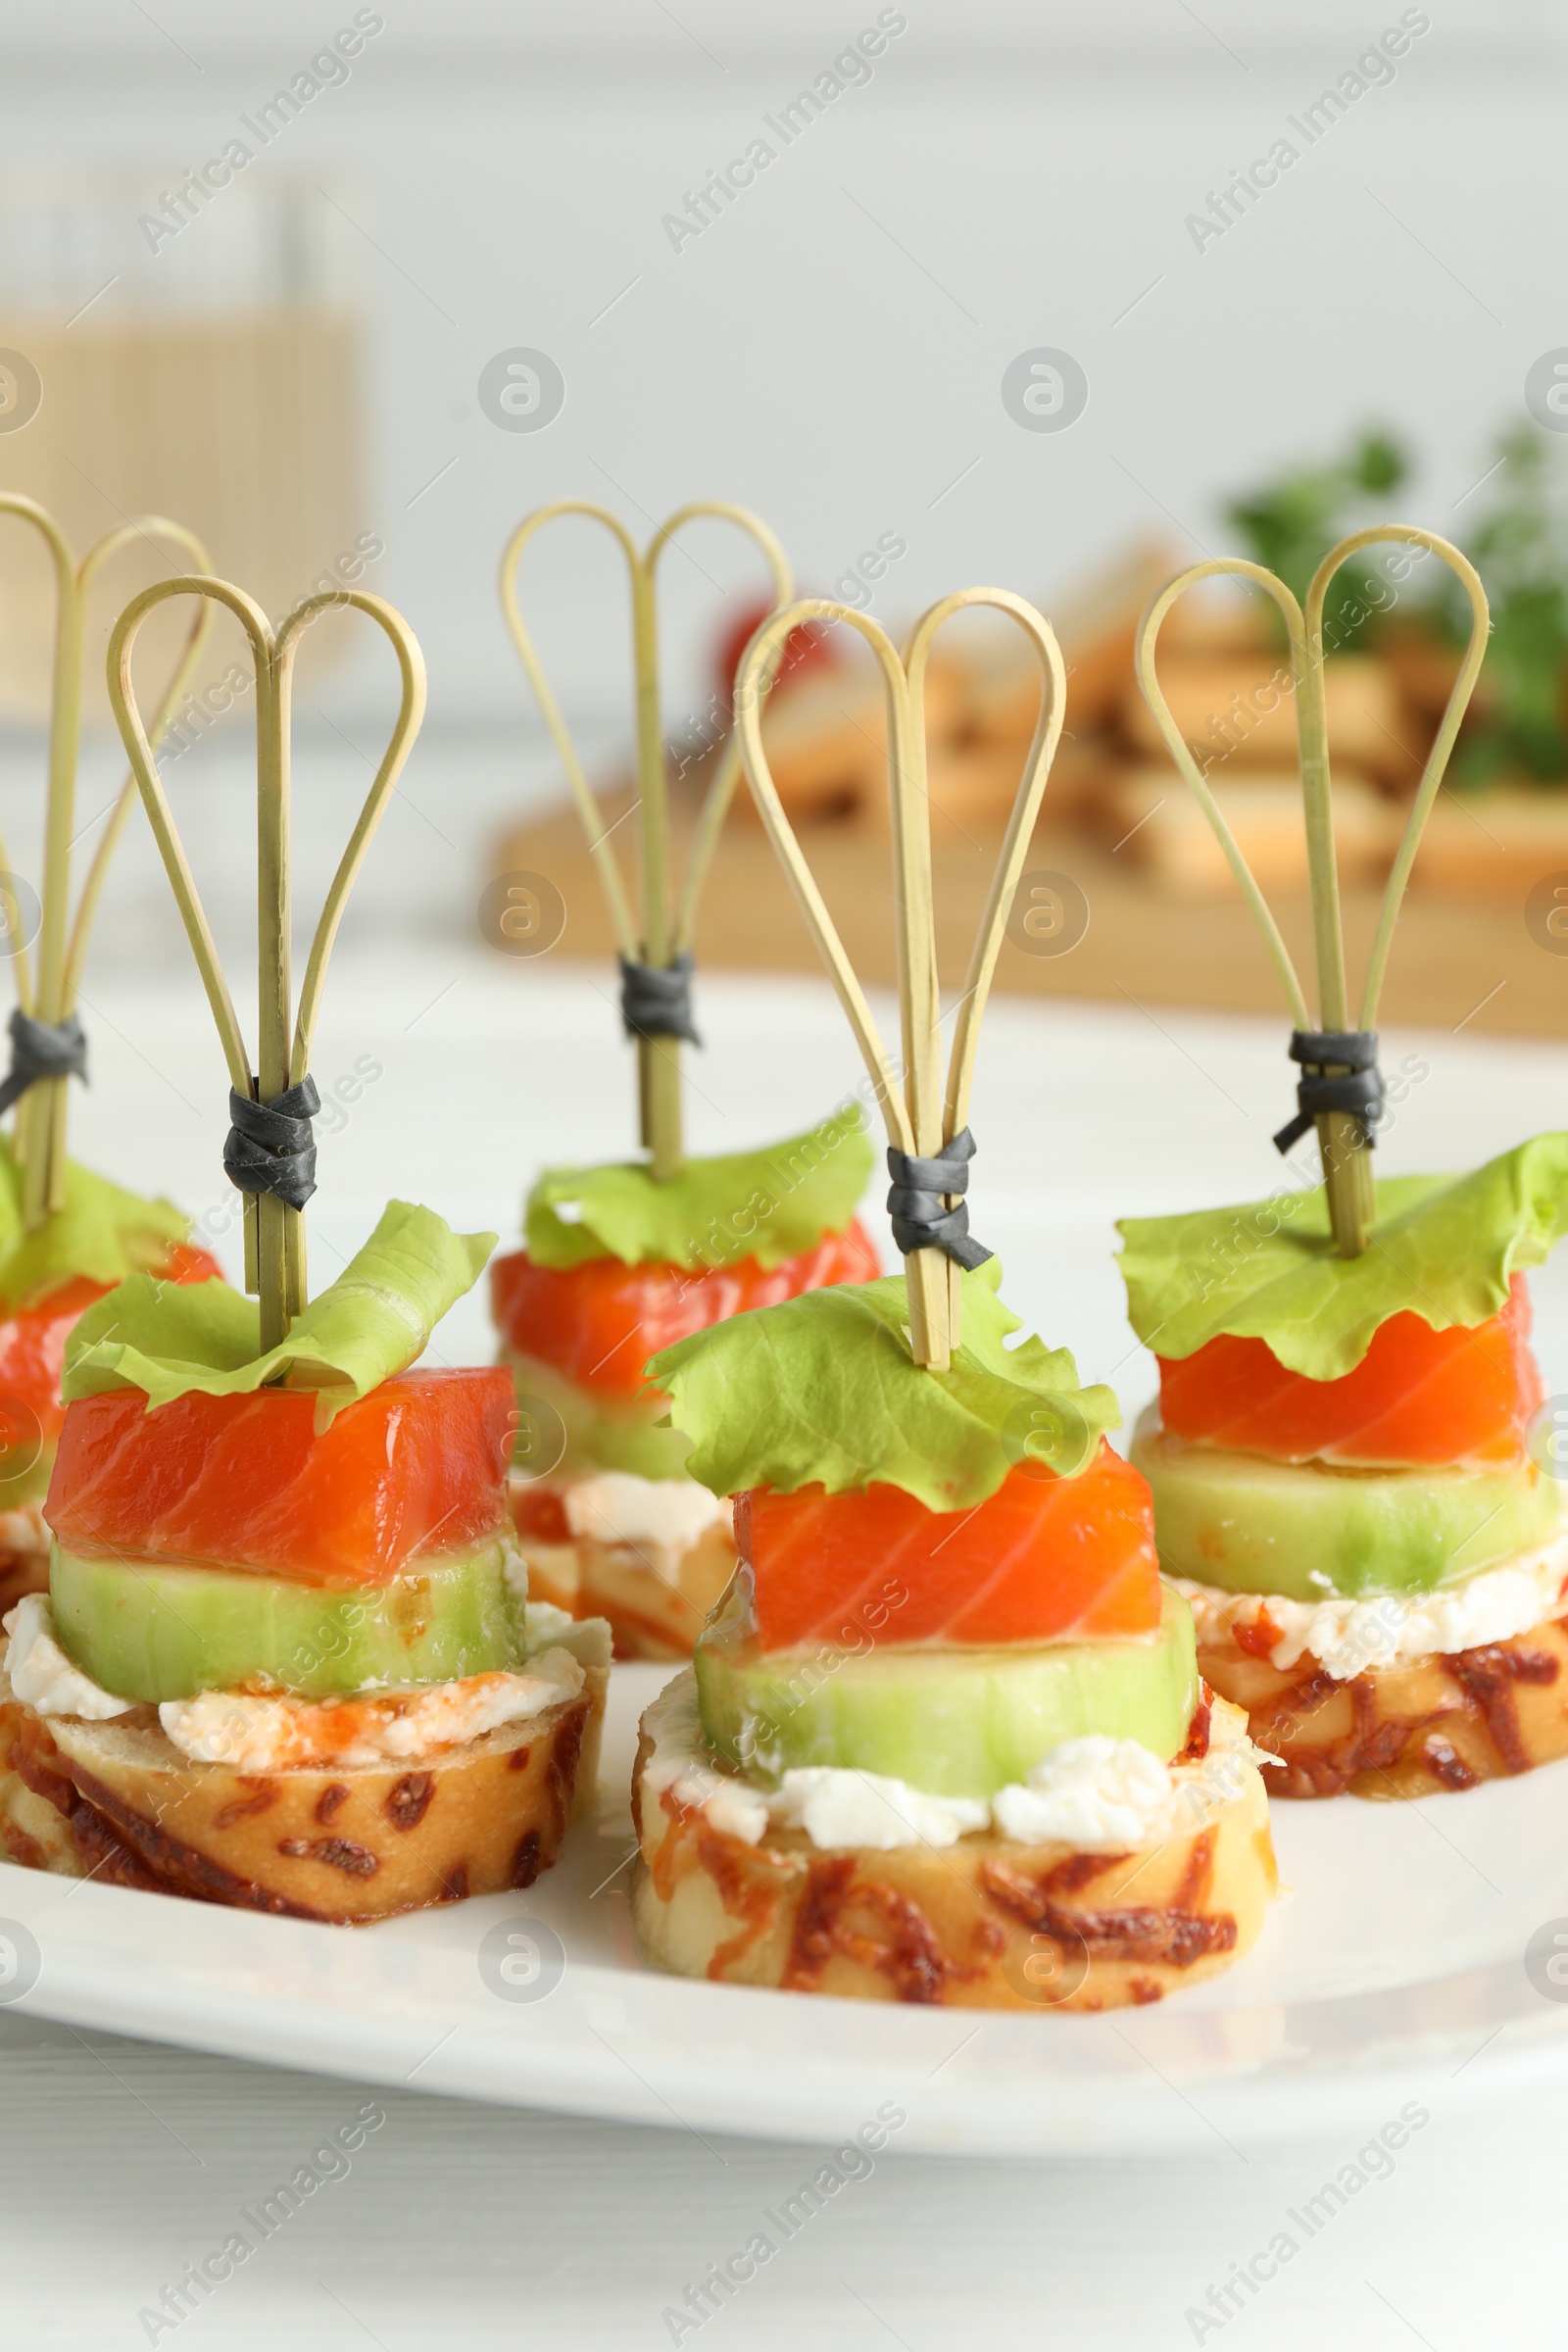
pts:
pixel 1396 1963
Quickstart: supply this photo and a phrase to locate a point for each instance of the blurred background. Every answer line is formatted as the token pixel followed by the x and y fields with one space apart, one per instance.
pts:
pixel 1032 295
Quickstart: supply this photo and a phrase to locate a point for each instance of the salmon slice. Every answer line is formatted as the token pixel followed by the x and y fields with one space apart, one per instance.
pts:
pixel 1417 1397
pixel 600 1322
pixel 244 1481
pixel 1044 1559
pixel 32 1340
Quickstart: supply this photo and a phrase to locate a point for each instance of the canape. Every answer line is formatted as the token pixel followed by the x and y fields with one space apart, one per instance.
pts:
pixel 617 1267
pixel 1349 1485
pixel 1342 1461
pixel 947 1740
pixel 287 1660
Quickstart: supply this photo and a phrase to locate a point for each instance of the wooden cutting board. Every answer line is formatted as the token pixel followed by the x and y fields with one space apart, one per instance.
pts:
pixel 1459 962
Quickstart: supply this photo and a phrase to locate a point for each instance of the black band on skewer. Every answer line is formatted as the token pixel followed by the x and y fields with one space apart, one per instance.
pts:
pixel 1358 1087
pixel 655 999
pixel 270 1147
pixel 42 1049
pixel 917 1201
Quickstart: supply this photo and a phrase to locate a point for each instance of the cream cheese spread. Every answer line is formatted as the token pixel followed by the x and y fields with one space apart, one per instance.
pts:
pixel 1096 1795
pixel 1347 1637
pixel 661 1519
pixel 259 1733
pixel 271 1734
pixel 1093 1792
pixel 41 1674
pixel 678 1764
pixel 835 1807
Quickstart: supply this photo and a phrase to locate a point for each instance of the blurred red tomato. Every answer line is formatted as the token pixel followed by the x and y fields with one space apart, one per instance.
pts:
pixel 808 649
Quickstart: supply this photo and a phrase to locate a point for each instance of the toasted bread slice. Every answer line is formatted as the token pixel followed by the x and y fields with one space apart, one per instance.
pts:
pixel 1407 1730
pixel 654 1607
pixel 983 1923
pixel 652 1613
pixel 118 1801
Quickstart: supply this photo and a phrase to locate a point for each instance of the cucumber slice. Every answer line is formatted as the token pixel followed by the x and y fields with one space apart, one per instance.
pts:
pixel 148 1631
pixel 599 1432
pixel 954 1722
pixel 1306 1531
pixel 24 1477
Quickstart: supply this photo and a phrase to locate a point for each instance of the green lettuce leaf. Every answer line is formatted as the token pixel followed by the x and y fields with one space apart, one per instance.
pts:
pixel 823 1390
pixel 1442 1247
pixel 102 1233
pixel 767 1204
pixel 167 1339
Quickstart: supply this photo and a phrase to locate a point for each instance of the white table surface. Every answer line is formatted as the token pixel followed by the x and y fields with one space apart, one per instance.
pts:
pixel 482 2227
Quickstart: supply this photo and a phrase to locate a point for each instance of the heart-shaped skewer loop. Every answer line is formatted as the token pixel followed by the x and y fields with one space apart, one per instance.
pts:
pixel 1343 1134
pixel 923 1116
pixel 658 934
pixel 275 1236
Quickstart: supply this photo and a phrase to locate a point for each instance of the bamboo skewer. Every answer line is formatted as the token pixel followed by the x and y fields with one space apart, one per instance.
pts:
pixel 39 1137
pixel 1343 1136
pixel 275 1232
pixel 662 928
pixel 925 1116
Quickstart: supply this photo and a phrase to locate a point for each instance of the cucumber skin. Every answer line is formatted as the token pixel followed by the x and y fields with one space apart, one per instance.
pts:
pixel 149 1632
pixel 1309 1533
pixel 952 1722
pixel 600 1436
